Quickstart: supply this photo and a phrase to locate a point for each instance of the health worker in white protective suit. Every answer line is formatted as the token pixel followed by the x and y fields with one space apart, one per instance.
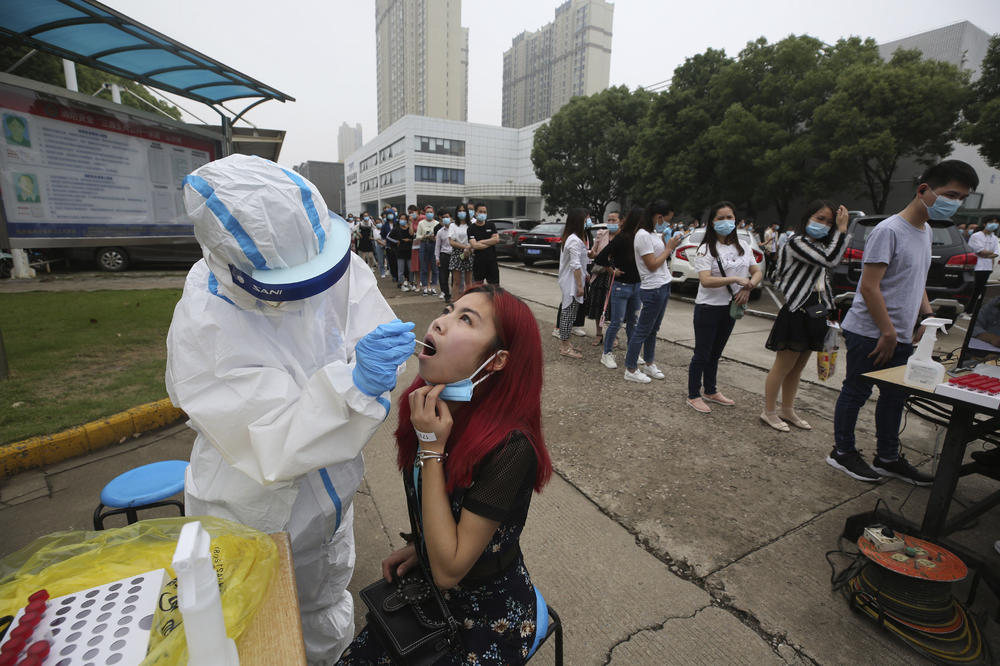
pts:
pixel 282 351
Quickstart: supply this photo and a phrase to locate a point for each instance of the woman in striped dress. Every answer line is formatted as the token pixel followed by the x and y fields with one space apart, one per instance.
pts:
pixel 803 277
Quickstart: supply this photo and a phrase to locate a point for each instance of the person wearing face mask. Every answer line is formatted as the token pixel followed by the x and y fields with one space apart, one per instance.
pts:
pixel 881 326
pixel 442 254
pixel 471 420
pixel 461 250
pixel 651 256
pixel 428 265
pixel 388 224
pixel 483 237
pixel 600 277
pixel 378 246
pixel 282 352
pixel 619 259
pixel 984 243
pixel 727 272
pixel 363 241
pixel 803 278
pixel 403 237
pixel 572 273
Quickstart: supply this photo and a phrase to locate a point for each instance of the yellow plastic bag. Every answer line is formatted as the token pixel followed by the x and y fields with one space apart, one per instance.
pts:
pixel 65 562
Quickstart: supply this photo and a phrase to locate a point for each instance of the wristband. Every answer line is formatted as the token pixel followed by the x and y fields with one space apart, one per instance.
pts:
pixel 425 436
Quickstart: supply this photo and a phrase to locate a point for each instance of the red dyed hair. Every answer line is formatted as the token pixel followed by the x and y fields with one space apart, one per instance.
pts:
pixel 508 400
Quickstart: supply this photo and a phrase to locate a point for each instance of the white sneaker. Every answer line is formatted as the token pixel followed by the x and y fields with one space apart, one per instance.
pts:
pixel 642 361
pixel 426 291
pixel 433 291
pixel 652 371
pixel 579 331
pixel 441 296
pixel 638 377
pixel 406 286
pixel 608 361
pixel 555 332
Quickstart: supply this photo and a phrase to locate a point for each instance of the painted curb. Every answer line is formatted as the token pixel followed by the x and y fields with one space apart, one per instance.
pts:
pixel 49 449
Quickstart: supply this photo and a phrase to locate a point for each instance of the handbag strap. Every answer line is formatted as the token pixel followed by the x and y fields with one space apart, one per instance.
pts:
pixel 413 508
pixel 722 271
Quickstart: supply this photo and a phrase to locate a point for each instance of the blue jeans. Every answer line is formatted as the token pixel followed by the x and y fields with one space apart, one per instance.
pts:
pixel 428 265
pixel 856 391
pixel 624 305
pixel 654 304
pixel 712 326
pixel 379 258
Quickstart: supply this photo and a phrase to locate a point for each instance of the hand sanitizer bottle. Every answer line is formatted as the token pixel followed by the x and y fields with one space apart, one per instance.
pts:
pixel 199 601
pixel 921 370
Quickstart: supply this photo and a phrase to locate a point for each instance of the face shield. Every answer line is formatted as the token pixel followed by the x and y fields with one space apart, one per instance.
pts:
pixel 265 231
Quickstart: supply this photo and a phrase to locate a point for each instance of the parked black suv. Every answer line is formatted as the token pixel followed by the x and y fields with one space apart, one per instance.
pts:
pixel 952 264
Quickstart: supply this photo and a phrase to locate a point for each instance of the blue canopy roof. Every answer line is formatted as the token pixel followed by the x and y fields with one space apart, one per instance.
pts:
pixel 95 35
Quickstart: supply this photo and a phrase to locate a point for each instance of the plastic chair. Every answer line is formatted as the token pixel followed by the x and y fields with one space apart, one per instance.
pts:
pixel 547 622
pixel 141 488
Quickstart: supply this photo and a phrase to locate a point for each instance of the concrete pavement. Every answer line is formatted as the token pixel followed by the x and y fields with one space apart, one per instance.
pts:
pixel 667 536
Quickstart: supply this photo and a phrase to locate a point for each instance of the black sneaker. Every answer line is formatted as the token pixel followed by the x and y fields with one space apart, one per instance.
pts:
pixel 901 469
pixel 853 465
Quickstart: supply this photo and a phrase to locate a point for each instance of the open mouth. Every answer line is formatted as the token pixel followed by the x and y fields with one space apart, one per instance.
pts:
pixel 429 348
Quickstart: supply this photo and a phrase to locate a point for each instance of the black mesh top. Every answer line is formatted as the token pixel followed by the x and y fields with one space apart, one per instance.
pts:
pixel 503 482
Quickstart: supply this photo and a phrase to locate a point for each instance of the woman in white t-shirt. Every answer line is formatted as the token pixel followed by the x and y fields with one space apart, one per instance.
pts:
pixel 712 323
pixel 651 257
pixel 572 272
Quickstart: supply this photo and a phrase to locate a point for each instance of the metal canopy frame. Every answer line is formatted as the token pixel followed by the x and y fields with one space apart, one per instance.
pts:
pixel 52 26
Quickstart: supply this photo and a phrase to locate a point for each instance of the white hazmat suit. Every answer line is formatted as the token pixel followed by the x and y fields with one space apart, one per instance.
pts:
pixel 268 384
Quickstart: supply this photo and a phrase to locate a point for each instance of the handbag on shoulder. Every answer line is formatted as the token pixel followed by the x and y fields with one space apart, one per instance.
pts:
pixel 409 616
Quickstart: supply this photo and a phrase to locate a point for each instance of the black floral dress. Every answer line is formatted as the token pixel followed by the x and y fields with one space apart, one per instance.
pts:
pixel 494 604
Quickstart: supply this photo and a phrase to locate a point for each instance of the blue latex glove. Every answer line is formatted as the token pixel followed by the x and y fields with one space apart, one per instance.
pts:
pixel 379 354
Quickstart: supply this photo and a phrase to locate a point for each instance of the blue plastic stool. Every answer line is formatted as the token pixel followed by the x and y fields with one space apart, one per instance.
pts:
pixel 547 622
pixel 144 487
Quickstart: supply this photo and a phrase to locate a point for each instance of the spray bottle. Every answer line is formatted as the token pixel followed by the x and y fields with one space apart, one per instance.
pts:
pixel 199 601
pixel 921 370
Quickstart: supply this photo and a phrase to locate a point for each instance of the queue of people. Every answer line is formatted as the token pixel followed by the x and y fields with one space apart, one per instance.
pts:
pixel 428 250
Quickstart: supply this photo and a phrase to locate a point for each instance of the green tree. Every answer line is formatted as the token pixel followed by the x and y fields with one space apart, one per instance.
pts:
pixel 670 156
pixel 578 154
pixel 882 111
pixel 983 111
pixel 48 68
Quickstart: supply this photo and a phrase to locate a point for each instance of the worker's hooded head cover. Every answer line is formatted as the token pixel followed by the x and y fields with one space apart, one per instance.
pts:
pixel 265 230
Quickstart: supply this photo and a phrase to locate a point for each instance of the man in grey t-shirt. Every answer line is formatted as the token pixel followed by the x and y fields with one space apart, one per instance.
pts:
pixel 879 329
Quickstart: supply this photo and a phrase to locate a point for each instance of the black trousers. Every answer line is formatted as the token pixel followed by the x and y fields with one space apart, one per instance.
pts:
pixel 390 256
pixel 444 275
pixel 486 270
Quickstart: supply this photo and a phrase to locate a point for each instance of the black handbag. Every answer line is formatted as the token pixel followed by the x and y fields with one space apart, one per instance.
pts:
pixel 409 616
pixel 816 311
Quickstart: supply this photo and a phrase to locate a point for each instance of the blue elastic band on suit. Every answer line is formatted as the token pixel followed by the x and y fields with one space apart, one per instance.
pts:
pixel 213 288
pixel 385 403
pixel 332 493
pixel 232 225
pixel 307 202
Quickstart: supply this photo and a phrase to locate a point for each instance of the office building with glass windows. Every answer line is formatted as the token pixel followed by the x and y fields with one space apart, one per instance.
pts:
pixel 420 160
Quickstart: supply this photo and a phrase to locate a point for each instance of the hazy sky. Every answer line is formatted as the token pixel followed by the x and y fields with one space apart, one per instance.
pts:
pixel 322 52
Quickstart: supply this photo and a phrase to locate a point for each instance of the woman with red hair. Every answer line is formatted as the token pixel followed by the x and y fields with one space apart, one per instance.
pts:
pixel 473 420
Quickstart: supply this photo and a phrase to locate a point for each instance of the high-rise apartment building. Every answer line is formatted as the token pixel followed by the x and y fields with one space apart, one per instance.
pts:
pixel 422 60
pixel 571 56
pixel 349 139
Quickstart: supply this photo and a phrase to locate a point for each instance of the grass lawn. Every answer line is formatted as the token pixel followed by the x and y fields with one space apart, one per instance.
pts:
pixel 79 356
